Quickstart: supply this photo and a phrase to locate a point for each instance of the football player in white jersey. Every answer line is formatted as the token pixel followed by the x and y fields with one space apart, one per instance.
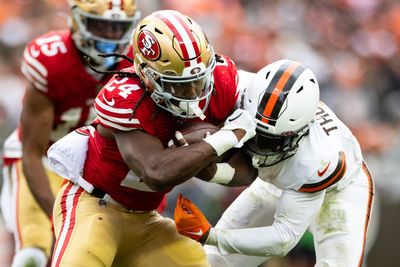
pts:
pixel 316 176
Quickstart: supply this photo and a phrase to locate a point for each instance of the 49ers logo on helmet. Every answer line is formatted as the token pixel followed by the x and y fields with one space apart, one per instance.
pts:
pixel 148 45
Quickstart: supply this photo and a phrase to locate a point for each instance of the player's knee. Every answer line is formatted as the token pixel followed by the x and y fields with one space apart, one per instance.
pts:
pixel 30 257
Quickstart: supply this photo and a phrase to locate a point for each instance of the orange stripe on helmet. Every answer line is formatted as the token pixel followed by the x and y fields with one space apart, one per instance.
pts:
pixel 269 107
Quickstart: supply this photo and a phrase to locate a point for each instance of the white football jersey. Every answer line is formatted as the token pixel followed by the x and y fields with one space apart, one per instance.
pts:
pixel 326 187
pixel 328 155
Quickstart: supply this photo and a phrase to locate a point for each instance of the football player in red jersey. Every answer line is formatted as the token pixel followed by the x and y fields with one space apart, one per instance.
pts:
pixel 106 215
pixel 59 98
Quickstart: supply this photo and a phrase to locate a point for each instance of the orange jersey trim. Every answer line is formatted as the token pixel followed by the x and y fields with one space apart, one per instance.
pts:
pixel 337 174
pixel 369 208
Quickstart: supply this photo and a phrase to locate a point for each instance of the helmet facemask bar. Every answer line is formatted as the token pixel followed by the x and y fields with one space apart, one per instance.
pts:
pixel 269 149
pixel 94 44
pixel 84 19
pixel 166 89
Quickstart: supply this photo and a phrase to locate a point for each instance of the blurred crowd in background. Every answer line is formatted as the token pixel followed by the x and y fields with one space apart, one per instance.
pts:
pixel 353 46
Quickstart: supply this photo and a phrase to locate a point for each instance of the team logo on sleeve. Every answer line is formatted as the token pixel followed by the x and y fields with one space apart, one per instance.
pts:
pixel 109 102
pixel 148 45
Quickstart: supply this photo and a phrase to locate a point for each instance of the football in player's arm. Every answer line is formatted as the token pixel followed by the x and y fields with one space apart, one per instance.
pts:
pixel 59 96
pixel 120 167
pixel 310 168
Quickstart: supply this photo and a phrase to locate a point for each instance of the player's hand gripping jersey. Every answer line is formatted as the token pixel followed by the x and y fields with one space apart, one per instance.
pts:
pixel 105 168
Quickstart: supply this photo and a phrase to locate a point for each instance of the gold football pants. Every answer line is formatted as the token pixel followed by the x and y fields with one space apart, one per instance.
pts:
pixel 91 232
pixel 30 225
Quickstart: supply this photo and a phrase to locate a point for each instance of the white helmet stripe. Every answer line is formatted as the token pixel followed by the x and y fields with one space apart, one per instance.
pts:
pixel 183 34
pixel 116 5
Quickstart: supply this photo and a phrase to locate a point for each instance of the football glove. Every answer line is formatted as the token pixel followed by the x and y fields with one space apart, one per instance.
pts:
pixel 241 119
pixel 190 221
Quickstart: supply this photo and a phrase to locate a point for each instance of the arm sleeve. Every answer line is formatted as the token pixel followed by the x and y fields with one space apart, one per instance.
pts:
pixel 114 104
pixel 34 70
pixel 295 211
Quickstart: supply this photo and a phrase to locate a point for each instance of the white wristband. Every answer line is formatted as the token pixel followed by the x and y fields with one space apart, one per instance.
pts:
pixel 224 174
pixel 222 141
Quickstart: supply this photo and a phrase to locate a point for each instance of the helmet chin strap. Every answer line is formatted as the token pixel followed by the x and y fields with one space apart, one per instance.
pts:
pixel 194 107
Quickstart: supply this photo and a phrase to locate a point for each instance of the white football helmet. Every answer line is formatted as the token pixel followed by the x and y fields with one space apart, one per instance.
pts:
pixel 103 27
pixel 283 98
pixel 174 59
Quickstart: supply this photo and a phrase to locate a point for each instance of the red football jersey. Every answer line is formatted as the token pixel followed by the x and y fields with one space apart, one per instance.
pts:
pixel 54 66
pixel 105 167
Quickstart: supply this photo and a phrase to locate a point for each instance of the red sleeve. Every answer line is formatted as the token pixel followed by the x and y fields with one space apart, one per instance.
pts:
pixel 226 89
pixel 115 102
pixel 33 68
pixel 47 57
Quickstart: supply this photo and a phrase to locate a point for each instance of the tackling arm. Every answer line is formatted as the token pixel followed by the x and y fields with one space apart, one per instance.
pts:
pixel 158 167
pixel 294 213
pixel 162 168
pixel 36 125
pixel 237 170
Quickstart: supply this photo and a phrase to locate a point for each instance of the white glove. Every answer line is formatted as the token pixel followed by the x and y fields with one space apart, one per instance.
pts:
pixel 241 119
pixel 225 139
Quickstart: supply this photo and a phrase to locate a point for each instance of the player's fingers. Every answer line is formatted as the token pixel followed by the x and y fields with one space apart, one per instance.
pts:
pixel 181 140
pixel 208 134
pixel 171 144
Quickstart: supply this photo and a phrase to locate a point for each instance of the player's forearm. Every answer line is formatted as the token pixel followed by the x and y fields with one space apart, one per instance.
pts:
pixel 237 170
pixel 38 183
pixel 174 166
pixel 261 241
pixel 294 214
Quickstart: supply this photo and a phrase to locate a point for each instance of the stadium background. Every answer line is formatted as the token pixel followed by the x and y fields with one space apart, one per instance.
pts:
pixel 353 46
